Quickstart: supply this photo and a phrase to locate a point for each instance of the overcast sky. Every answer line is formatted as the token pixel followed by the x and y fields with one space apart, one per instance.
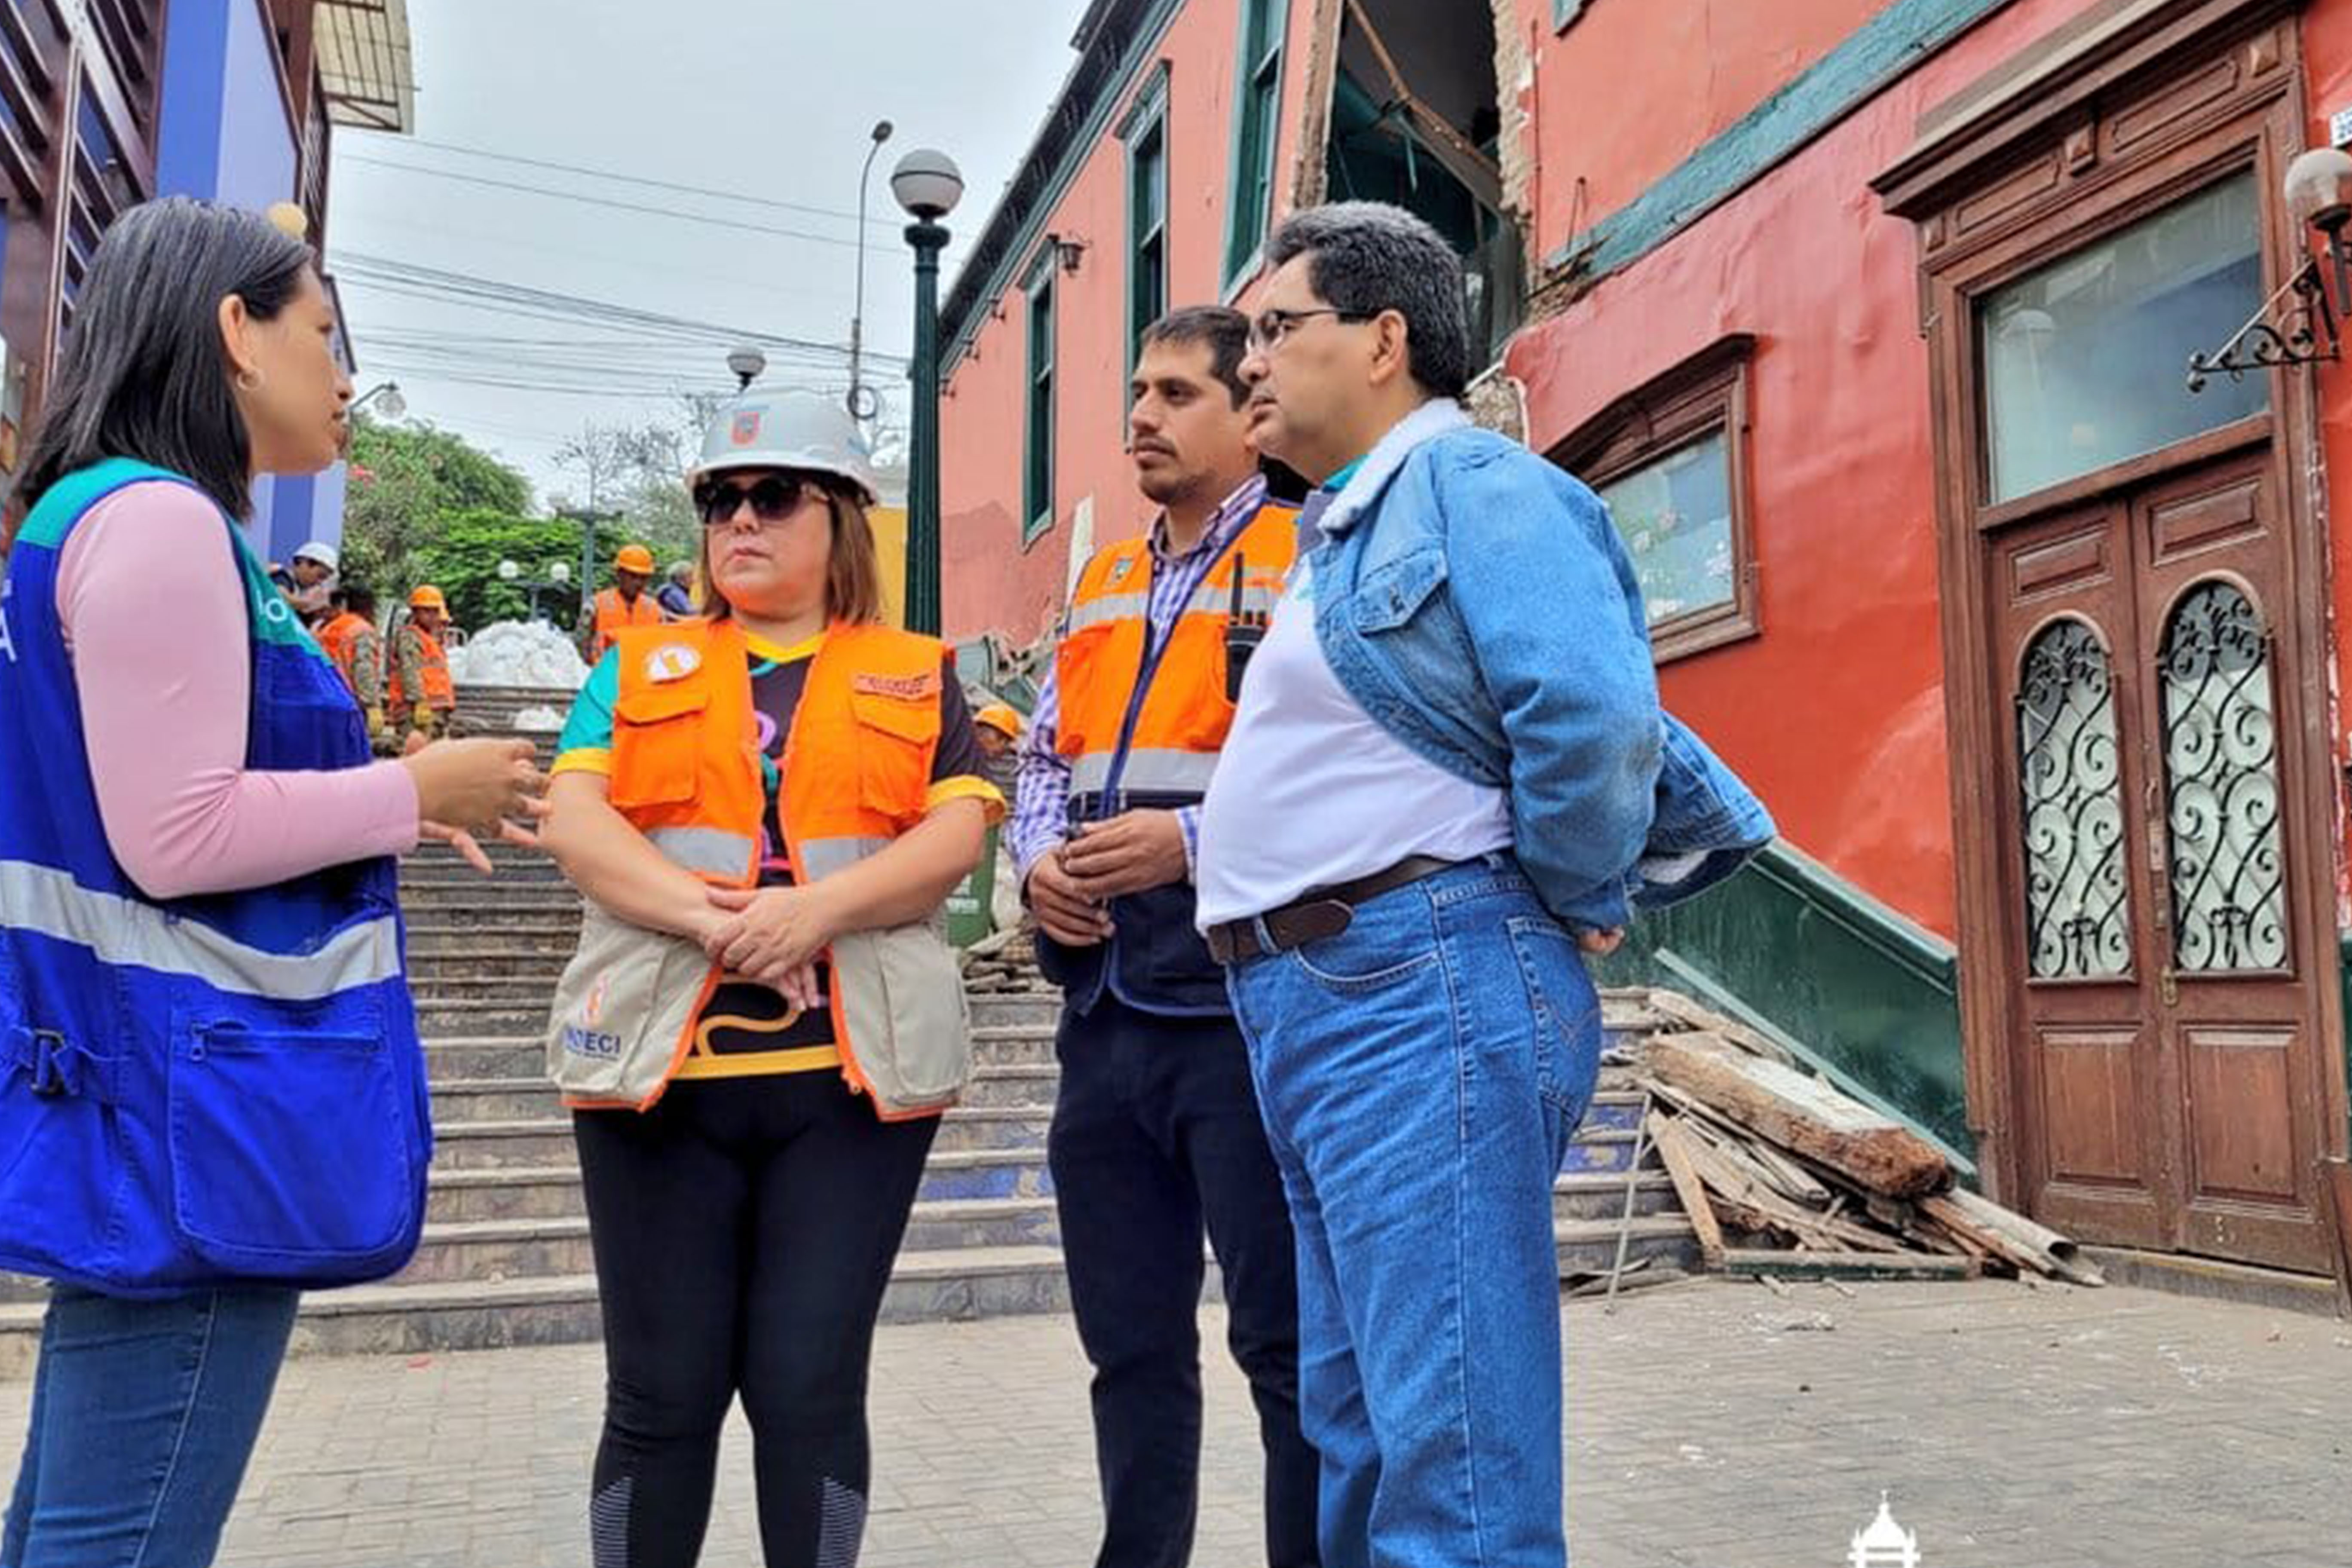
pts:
pixel 773 101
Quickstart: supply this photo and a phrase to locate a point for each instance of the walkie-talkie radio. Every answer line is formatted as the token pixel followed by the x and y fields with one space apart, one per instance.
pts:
pixel 1245 629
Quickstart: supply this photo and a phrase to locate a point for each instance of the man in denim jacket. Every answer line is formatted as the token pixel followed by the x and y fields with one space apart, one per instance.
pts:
pixel 1449 773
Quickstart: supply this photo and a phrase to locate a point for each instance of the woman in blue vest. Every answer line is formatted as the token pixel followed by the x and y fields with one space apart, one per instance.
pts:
pixel 211 1089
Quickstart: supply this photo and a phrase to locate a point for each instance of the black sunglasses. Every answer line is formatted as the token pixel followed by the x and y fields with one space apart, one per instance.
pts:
pixel 773 501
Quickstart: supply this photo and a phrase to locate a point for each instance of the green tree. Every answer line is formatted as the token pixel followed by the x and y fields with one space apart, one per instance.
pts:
pixel 634 477
pixel 463 555
pixel 407 481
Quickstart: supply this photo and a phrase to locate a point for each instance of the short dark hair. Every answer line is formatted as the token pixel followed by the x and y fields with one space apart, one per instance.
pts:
pixel 144 374
pixel 1370 256
pixel 1226 331
pixel 358 601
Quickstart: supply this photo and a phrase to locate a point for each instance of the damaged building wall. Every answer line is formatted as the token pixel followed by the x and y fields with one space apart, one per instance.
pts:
pixel 994 579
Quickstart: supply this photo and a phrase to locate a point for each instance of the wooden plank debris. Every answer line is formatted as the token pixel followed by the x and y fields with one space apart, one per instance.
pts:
pixel 1847 1265
pixel 1666 1135
pixel 1784 1176
pixel 1801 1114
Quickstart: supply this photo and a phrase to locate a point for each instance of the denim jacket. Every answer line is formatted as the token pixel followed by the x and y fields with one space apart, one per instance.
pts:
pixel 1475 601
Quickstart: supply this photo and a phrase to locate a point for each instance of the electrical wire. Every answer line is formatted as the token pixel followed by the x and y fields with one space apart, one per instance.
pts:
pixel 642 180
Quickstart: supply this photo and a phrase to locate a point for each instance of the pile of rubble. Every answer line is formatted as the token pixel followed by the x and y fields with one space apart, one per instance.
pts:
pixel 519 653
pixel 1004 964
pixel 1785 1175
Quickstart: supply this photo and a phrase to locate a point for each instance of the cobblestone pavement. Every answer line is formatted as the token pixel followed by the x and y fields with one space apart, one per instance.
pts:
pixel 1712 1425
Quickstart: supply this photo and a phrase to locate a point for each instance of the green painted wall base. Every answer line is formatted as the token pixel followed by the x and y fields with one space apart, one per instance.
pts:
pixel 1864 994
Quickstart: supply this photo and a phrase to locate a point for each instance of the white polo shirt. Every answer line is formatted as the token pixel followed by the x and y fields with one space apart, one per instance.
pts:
pixel 1310 790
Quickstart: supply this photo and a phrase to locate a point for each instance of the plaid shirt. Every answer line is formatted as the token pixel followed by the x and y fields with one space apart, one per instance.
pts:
pixel 1041 811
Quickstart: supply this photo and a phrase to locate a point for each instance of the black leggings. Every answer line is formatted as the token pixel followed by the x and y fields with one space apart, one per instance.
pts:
pixel 744 1232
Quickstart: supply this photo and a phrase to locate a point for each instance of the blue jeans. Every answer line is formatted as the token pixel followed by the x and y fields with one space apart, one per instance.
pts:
pixel 143 1416
pixel 1421 1075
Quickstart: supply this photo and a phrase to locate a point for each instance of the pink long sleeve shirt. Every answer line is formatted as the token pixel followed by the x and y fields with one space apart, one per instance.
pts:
pixel 153 608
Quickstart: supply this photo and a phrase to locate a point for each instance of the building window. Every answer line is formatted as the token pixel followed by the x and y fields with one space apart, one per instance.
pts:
pixel 1258 126
pixel 1146 134
pixel 1037 484
pixel 1671 461
pixel 2082 356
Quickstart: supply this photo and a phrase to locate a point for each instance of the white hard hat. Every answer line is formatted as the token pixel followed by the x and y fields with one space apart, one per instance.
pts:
pixel 787 430
pixel 323 553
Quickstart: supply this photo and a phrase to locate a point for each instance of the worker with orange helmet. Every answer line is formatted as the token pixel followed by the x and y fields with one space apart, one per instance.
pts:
pixel 625 604
pixel 998 726
pixel 421 689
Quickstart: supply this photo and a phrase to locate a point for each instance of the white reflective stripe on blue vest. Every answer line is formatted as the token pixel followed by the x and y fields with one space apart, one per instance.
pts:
pixel 708 849
pixel 824 857
pixel 128 934
pixel 1185 773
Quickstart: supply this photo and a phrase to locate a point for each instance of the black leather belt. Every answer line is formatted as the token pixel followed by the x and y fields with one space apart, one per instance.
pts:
pixel 1325 913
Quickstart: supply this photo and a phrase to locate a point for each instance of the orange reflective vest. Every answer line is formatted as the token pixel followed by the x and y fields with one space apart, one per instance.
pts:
pixel 615 615
pixel 1186 710
pixel 439 691
pixel 340 637
pixel 1176 700
pixel 856 770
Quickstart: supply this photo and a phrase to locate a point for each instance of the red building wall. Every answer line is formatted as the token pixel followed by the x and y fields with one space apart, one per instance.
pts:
pixel 990 582
pixel 1836 710
pixel 1702 63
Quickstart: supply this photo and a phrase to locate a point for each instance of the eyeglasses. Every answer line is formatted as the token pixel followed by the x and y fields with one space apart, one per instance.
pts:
pixel 775 501
pixel 1272 327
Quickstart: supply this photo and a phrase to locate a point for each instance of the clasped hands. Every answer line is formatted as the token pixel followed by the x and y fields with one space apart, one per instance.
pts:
pixel 773 937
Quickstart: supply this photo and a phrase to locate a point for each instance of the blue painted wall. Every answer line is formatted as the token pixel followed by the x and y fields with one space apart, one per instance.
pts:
pixel 225 136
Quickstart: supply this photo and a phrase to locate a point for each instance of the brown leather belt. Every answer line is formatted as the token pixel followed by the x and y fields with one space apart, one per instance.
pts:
pixel 1325 913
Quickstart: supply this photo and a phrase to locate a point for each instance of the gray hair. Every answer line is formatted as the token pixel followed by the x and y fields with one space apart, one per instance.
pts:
pixel 1370 256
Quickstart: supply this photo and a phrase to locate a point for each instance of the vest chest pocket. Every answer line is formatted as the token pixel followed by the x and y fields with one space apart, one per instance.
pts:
pixel 896 739
pixel 658 744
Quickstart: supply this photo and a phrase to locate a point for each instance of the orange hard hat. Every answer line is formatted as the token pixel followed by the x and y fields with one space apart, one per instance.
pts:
pixel 428 597
pixel 635 558
pixel 999 716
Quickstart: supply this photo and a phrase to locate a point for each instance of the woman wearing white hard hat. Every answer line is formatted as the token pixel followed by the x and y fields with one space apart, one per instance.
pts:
pixel 766 809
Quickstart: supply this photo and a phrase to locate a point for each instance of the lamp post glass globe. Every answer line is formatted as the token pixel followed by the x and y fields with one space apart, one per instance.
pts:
pixel 2319 188
pixel 747 364
pixel 927 184
pixel 560 572
pixel 508 572
pixel 386 397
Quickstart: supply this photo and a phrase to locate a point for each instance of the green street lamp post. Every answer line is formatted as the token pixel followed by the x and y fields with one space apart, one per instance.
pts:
pixel 928 185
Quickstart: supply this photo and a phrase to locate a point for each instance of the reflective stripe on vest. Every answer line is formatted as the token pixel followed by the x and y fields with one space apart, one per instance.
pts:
pixel 1185 713
pixel 126 932
pixel 824 857
pixel 856 774
pixel 1157 771
pixel 710 852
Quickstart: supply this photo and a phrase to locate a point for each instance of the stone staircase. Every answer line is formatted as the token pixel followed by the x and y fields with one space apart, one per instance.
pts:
pixel 505 1258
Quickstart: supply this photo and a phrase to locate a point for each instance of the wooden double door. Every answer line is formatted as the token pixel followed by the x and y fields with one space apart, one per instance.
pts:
pixel 2166 1066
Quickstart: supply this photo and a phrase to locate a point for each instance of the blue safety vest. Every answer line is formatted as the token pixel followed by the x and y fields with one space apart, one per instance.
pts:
pixel 199 1091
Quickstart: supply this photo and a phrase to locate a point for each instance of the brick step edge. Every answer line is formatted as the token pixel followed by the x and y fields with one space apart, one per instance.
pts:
pixel 926 1286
